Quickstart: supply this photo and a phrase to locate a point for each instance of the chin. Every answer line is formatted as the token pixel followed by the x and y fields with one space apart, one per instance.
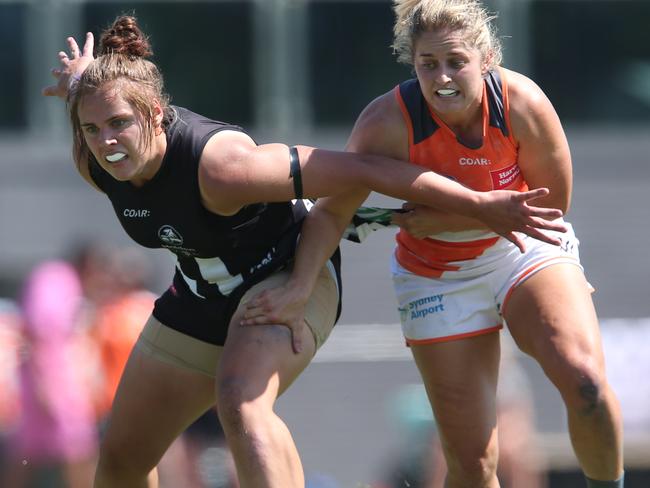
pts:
pixel 120 176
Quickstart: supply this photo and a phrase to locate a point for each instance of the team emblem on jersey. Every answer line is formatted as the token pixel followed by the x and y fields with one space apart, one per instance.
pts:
pixel 170 236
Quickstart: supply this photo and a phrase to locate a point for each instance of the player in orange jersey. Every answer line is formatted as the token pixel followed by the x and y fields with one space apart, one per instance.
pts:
pixel 456 282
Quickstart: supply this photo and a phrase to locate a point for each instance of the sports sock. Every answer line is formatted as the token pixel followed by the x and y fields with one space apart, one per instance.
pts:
pixel 605 484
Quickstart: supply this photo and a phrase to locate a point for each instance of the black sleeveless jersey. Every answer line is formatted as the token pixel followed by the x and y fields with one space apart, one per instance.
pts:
pixel 218 257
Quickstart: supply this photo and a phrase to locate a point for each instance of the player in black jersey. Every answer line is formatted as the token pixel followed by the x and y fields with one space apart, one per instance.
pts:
pixel 223 205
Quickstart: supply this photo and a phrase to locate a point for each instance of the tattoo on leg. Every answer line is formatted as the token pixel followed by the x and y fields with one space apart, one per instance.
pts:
pixel 590 392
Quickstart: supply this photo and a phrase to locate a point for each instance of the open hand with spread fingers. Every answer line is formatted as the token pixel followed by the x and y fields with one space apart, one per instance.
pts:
pixel 508 212
pixel 71 67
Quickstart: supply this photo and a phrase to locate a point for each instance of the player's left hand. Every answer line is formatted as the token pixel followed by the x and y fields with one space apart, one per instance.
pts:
pixel 71 67
pixel 278 306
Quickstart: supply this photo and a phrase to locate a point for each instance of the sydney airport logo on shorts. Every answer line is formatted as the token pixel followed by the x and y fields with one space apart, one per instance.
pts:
pixel 420 308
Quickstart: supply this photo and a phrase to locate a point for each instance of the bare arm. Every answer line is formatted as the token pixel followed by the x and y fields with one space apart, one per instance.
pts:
pixel 544 155
pixel 421 221
pixel 235 172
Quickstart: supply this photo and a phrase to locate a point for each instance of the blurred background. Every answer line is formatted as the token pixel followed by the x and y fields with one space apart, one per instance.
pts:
pixel 300 71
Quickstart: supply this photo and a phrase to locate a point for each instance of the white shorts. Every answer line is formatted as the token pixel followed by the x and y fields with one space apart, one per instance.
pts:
pixel 470 301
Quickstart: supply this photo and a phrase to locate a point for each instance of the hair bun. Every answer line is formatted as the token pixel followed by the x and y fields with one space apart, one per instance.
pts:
pixel 125 37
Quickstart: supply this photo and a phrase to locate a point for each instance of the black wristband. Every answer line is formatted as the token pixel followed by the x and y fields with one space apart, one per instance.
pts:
pixel 294 172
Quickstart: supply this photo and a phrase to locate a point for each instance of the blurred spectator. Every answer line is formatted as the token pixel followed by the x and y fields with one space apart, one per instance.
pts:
pixel 117 304
pixel 9 353
pixel 56 426
pixel 62 353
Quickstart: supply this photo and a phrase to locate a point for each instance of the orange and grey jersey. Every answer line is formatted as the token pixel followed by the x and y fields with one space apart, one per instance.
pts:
pixel 489 166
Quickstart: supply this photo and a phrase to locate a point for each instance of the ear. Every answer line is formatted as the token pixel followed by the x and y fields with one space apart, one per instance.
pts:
pixel 157 117
pixel 486 63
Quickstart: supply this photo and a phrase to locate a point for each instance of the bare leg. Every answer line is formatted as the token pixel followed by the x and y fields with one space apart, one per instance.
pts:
pixel 552 318
pixel 256 366
pixel 154 403
pixel 460 378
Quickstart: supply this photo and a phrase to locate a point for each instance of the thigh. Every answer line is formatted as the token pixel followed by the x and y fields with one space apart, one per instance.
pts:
pixel 260 359
pixel 551 316
pixel 460 378
pixel 322 307
pixel 155 402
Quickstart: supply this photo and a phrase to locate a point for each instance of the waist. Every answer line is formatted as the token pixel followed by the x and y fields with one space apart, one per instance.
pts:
pixel 433 256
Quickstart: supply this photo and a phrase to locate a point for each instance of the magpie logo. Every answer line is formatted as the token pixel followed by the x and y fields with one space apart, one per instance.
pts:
pixel 170 236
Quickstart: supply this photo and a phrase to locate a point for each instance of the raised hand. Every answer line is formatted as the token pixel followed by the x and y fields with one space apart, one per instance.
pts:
pixel 507 212
pixel 278 306
pixel 71 67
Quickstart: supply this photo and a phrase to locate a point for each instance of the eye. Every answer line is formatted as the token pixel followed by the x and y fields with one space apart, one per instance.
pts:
pixel 90 129
pixel 118 123
pixel 457 63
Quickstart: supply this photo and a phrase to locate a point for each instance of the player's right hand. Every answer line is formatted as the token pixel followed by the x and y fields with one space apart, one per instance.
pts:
pixel 71 67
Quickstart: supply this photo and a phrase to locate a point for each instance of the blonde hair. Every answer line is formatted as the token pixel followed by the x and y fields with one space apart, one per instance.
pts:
pixel 123 49
pixel 413 17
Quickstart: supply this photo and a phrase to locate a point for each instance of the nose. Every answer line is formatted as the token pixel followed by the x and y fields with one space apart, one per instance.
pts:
pixel 443 77
pixel 107 137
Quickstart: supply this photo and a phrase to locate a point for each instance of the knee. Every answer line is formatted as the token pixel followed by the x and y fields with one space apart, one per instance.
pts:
pixel 240 410
pixel 472 466
pixel 583 386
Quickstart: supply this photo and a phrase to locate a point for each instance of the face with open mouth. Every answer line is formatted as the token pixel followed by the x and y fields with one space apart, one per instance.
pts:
pixel 450 73
pixel 113 131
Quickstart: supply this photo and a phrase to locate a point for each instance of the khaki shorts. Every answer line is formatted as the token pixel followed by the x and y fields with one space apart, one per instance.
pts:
pixel 178 349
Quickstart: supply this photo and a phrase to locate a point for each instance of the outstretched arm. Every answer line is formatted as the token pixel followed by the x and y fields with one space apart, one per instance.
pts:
pixel 235 172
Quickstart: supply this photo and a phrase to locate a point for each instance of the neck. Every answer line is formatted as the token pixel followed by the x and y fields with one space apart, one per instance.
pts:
pixel 468 124
pixel 154 162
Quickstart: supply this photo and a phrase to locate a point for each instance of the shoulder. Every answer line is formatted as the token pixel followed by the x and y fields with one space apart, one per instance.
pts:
pixel 529 105
pixel 187 127
pixel 522 91
pixel 223 153
pixel 380 128
pixel 224 166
